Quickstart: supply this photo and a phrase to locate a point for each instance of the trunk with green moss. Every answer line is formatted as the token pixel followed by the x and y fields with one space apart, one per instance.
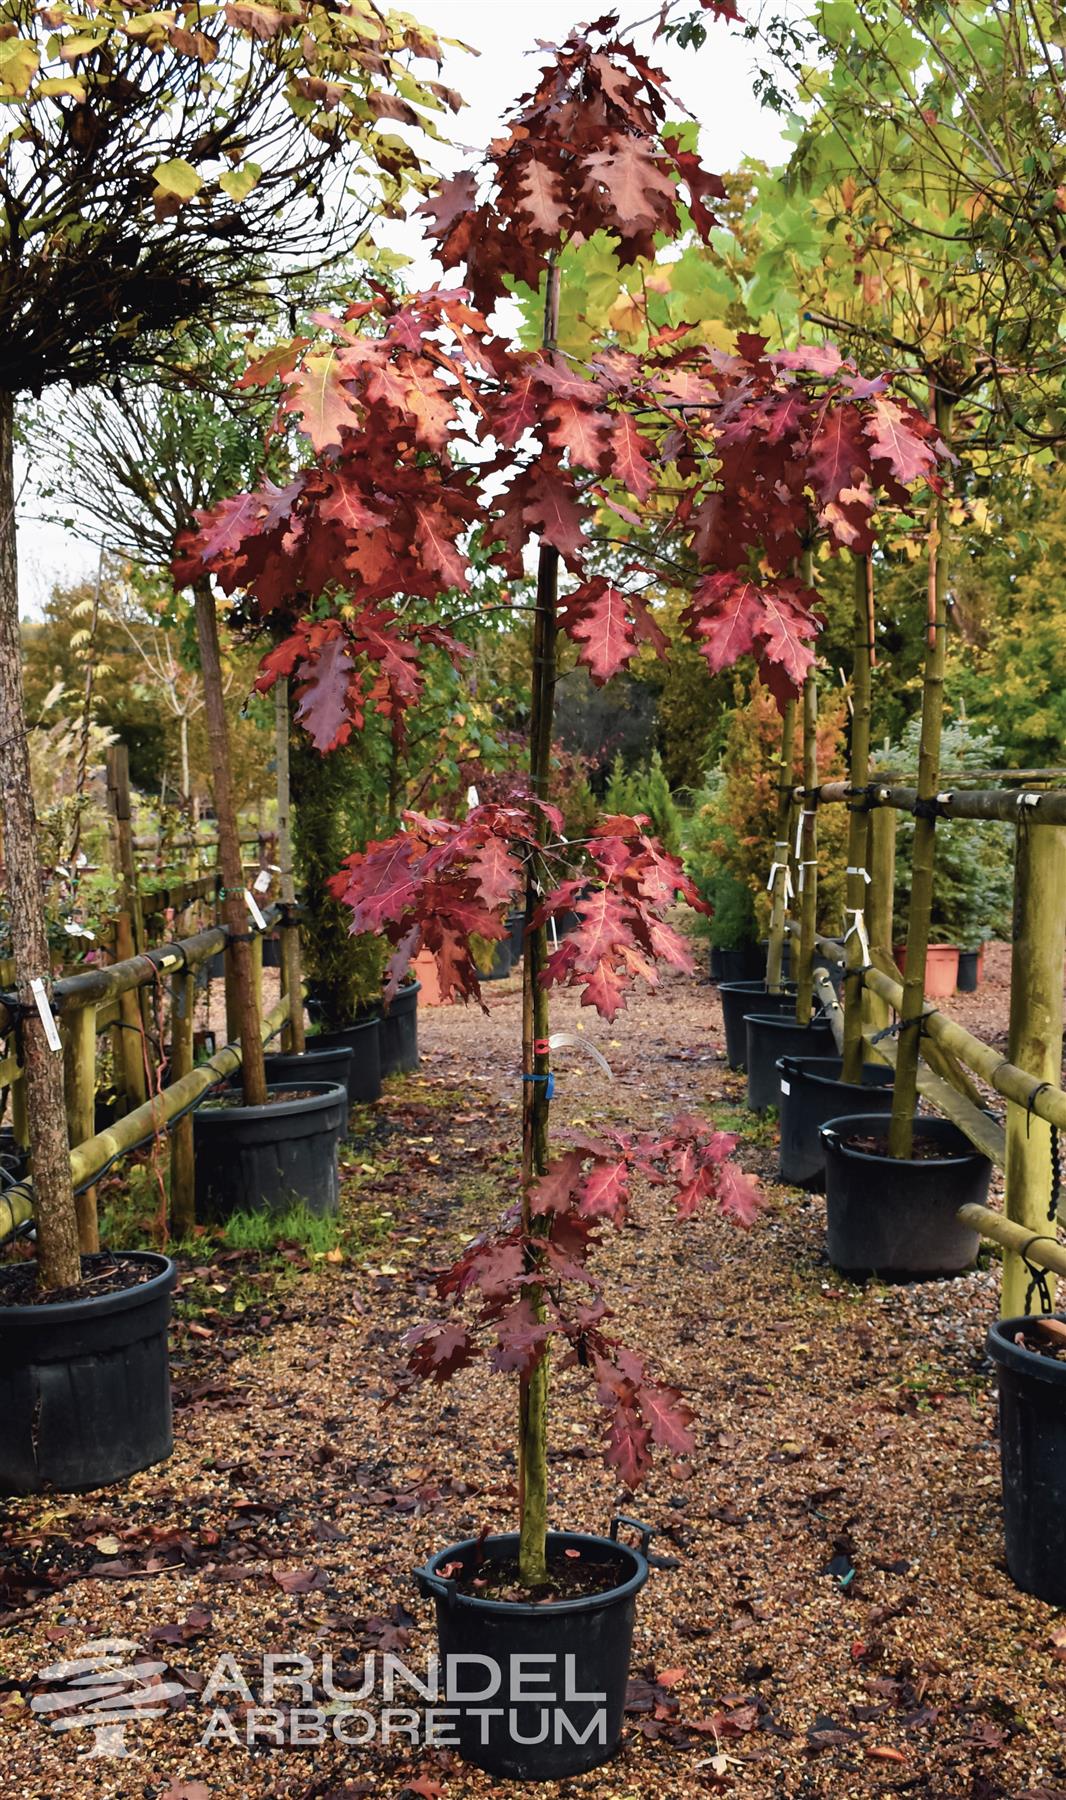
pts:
pixel 780 886
pixel 807 880
pixel 857 927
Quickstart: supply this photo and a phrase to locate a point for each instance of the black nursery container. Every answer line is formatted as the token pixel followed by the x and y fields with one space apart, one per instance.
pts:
pixel 269 1158
pixel 810 1093
pixel 362 1040
pixel 582 1645
pixel 501 964
pixel 399 1032
pixel 738 998
pixel 319 1062
pixel 85 1386
pixel 897 1219
pixel 771 1036
pixel 968 978
pixel 516 925
pixel 747 962
pixel 1032 1433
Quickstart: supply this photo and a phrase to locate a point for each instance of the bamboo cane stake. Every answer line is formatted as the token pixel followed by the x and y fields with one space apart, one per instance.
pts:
pixel 857 883
pixel 182 1178
pixel 880 904
pixel 1045 1253
pixel 781 871
pixel 1035 1039
pixel 291 978
pixel 1043 807
pixel 79 1084
pixel 807 878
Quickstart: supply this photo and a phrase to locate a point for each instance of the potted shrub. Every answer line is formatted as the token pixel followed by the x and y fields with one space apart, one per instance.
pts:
pixel 438 882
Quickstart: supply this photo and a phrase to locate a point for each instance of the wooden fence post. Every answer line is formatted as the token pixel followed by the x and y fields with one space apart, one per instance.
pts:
pixel 291 978
pixel 1035 1043
pixel 857 886
pixel 182 1177
pixel 880 901
pixel 807 874
pixel 79 1080
pixel 130 1039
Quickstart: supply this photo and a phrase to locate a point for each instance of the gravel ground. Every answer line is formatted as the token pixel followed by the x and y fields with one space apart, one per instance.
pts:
pixel 840 1622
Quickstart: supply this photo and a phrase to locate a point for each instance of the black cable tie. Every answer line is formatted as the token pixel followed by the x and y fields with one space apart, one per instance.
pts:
pixel 1038 1278
pixel 928 809
pixel 1031 1102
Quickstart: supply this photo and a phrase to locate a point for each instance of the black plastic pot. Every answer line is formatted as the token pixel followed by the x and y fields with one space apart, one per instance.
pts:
pixel 269 1158
pixel 271 953
pixel 362 1040
pixel 516 925
pixel 1032 1434
pixel 745 963
pixel 319 1062
pixel 536 1729
pixel 897 1219
pixel 738 998
pixel 216 966
pixel 399 1032
pixel 85 1386
pixel 810 1093
pixel 771 1036
pixel 967 979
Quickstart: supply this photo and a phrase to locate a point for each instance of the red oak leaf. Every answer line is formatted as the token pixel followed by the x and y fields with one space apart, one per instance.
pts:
pixel 667 1417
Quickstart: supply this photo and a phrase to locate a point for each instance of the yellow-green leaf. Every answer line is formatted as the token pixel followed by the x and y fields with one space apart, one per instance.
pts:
pixel 178 177
pixel 238 183
pixel 18 65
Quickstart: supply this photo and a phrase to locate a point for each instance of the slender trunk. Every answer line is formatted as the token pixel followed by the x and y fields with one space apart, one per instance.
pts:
pixel 395 775
pixel 905 1098
pixel 234 908
pixel 291 972
pixel 183 747
pixel 58 1258
pixel 86 719
pixel 533 1396
pixel 807 881
pixel 779 904
pixel 857 939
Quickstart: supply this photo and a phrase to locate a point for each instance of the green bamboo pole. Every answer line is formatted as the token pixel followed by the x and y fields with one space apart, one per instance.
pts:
pixel 291 975
pixel 1035 1040
pixel 905 1092
pixel 79 1083
pixel 182 1177
pixel 782 847
pixel 880 903
pixel 807 874
pixel 858 884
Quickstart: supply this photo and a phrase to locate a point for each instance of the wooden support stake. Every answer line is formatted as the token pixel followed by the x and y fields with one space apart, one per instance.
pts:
pixel 807 873
pixel 182 1178
pixel 129 1038
pixel 291 974
pixel 79 1081
pixel 857 887
pixel 779 904
pixel 1035 1042
pixel 880 902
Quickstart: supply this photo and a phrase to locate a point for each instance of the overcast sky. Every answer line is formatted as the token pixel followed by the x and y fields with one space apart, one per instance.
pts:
pixel 715 84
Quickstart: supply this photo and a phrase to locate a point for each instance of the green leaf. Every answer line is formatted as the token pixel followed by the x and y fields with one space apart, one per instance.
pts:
pixel 238 183
pixel 178 177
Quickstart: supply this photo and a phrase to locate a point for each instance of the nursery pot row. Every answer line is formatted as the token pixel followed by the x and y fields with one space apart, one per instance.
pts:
pixel 897 1219
pixel 539 1688
pixel 269 1158
pixel 771 1036
pixel 740 997
pixel 810 1093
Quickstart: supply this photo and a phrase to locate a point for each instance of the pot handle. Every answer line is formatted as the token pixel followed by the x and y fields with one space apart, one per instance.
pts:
pixel 432 1585
pixel 645 1531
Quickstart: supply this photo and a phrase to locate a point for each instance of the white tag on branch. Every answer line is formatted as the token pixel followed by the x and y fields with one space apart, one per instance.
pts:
pixel 473 798
pixel 73 929
pixel 262 881
pixel 786 1087
pixel 566 1039
pixel 253 908
pixel 51 1032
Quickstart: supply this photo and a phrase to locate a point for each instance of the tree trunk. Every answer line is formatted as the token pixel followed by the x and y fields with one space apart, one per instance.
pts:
pixel 857 939
pixel 58 1258
pixel 905 1096
pixel 536 1025
pixel 183 743
pixel 234 908
pixel 292 974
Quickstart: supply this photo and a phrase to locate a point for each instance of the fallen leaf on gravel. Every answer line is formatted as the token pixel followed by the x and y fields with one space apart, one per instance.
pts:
pixel 299 1581
pixel 186 1790
pixel 885 1753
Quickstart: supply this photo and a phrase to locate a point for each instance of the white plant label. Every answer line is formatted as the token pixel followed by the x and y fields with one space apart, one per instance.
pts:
pixel 37 989
pixel 253 907
pixel 472 798
pixel 785 1088
pixel 262 881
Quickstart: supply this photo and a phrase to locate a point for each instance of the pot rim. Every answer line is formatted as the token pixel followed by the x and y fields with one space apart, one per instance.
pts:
pixel 804 1067
pixel 70 1312
pixel 430 1581
pixel 332 1050
pixel 325 1094
pixel 1000 1346
pixel 412 988
pixel 830 1133
pixel 782 1022
pixel 755 985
